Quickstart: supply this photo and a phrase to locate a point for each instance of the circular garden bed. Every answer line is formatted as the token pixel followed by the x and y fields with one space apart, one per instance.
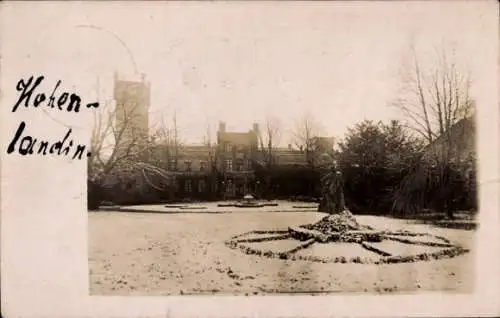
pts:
pixel 340 239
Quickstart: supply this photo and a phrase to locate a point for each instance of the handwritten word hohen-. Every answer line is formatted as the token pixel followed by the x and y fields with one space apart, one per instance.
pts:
pixel 27 88
pixel 24 143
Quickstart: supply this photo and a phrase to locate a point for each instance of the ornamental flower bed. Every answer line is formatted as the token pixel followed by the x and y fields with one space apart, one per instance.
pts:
pixel 332 235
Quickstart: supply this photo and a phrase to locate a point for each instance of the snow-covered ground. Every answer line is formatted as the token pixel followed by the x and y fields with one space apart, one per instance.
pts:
pixel 184 253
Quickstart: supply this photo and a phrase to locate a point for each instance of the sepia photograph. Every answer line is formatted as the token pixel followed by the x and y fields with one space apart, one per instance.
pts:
pixel 249 158
pixel 265 157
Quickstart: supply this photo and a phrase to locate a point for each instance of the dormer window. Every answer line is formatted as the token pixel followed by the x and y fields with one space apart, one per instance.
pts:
pixel 203 165
pixel 188 165
pixel 229 147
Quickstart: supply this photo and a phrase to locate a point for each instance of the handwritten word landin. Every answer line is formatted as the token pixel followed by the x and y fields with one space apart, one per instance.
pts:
pixel 25 144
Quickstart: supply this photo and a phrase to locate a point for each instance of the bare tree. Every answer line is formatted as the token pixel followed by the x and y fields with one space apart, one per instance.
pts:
pixel 207 139
pixel 122 149
pixel 167 142
pixel 434 95
pixel 176 141
pixel 435 100
pixel 270 139
pixel 114 141
pixel 304 133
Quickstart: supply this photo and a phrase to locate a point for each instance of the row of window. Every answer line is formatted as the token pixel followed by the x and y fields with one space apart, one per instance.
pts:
pixel 188 186
pixel 202 186
pixel 230 187
pixel 239 165
pixel 228 147
pixel 188 164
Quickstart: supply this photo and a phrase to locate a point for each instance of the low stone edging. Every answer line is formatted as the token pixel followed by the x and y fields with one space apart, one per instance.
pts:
pixel 374 249
pixel 260 232
pixel 434 244
pixel 269 238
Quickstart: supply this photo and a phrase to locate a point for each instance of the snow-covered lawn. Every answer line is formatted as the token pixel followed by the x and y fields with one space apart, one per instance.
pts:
pixel 165 254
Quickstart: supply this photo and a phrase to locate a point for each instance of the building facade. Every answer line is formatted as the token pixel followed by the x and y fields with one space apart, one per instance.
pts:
pixel 192 170
pixel 230 169
pixel 235 156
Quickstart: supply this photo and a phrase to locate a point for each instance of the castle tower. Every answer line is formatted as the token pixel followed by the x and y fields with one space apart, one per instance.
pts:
pixel 132 112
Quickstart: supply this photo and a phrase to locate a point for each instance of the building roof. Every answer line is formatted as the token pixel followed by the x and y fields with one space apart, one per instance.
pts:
pixel 195 151
pixel 290 157
pixel 238 138
pixel 463 141
pixel 199 152
pixel 324 140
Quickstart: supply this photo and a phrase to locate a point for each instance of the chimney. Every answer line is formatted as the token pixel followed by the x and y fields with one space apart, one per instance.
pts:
pixel 289 146
pixel 255 127
pixel 222 127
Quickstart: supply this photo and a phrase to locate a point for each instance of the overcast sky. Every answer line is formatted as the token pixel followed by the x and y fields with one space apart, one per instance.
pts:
pixel 241 62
